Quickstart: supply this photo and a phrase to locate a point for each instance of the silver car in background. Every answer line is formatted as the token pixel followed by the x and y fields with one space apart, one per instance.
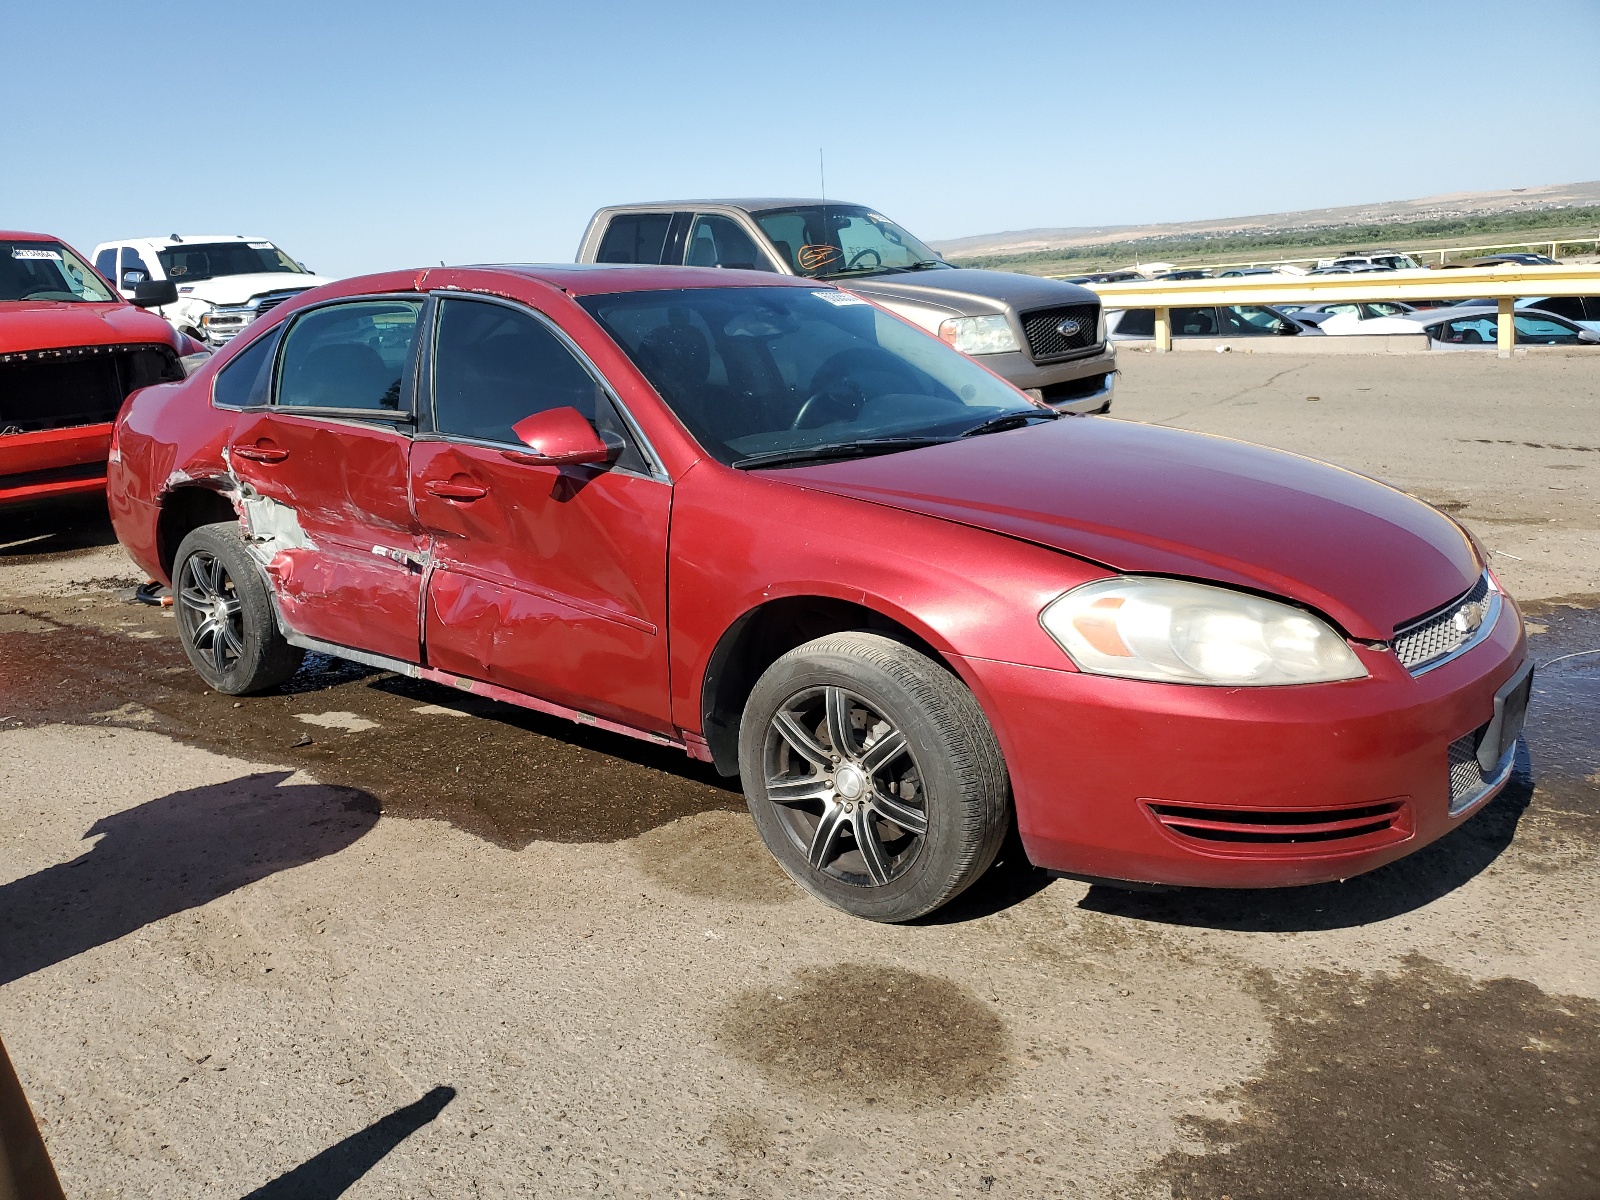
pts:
pixel 1043 335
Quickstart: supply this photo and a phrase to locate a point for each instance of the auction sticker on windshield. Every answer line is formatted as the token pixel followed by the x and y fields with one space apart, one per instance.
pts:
pixel 27 252
pixel 839 299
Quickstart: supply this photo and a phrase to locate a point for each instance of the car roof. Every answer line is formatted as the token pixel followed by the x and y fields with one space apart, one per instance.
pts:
pixel 593 279
pixel 185 239
pixel 18 235
pixel 748 204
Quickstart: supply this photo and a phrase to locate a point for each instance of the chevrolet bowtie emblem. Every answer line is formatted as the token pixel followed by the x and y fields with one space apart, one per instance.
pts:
pixel 1467 619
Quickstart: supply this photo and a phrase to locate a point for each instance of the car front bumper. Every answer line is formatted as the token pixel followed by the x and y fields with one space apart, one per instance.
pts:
pixel 1244 787
pixel 1075 385
pixel 53 462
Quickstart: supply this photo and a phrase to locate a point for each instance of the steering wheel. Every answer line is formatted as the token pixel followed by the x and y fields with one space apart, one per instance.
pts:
pixel 845 395
pixel 877 259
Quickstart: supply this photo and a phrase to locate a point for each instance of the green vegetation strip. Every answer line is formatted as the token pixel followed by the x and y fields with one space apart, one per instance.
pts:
pixel 1544 225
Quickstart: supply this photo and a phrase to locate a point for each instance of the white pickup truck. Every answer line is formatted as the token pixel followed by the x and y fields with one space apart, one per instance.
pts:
pixel 224 281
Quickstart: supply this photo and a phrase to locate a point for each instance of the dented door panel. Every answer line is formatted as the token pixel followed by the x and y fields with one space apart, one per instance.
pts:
pixel 327 506
pixel 551 582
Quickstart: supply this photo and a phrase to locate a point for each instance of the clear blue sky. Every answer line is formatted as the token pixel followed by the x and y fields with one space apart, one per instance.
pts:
pixel 362 136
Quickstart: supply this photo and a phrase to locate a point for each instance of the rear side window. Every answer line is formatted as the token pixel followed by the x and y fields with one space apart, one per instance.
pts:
pixel 1137 322
pixel 350 356
pixel 106 263
pixel 1570 307
pixel 635 238
pixel 1194 322
pixel 494 365
pixel 246 381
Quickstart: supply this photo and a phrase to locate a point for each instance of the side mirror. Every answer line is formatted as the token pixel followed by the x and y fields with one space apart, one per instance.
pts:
pixel 154 293
pixel 558 437
pixel 1589 336
pixel 133 277
pixel 1288 329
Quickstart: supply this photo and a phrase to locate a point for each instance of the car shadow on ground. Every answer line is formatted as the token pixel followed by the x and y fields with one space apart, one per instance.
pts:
pixel 1391 891
pixel 171 854
pixel 337 1168
pixel 51 527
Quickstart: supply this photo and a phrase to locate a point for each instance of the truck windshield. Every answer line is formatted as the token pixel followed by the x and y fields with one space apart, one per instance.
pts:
pixel 47 271
pixel 207 260
pixel 824 241
pixel 763 373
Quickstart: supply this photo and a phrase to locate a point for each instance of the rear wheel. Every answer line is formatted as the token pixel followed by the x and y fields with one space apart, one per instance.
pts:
pixel 873 776
pixel 225 617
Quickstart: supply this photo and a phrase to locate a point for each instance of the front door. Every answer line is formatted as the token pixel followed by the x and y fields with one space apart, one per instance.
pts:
pixel 328 465
pixel 547 580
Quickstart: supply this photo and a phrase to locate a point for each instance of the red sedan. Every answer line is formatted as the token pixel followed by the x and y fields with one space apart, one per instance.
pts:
pixel 780 528
pixel 71 349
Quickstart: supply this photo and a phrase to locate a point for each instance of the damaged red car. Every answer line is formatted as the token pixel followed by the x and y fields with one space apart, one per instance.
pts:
pixel 780 528
pixel 71 350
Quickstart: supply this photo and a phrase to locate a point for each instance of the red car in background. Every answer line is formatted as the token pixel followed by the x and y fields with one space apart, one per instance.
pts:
pixel 71 350
pixel 771 524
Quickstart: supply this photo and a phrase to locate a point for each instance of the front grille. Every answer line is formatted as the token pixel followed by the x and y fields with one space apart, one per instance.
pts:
pixel 1046 341
pixel 68 386
pixel 265 304
pixel 1268 828
pixel 1467 780
pixel 1430 639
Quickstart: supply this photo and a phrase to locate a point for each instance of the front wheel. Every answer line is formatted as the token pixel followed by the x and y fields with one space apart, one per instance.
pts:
pixel 225 617
pixel 873 776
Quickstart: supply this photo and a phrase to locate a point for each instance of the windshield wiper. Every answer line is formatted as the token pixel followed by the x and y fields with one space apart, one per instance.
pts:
pixel 861 448
pixel 1014 420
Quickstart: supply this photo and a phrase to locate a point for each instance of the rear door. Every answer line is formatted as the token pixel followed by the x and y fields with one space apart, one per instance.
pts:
pixel 547 580
pixel 327 464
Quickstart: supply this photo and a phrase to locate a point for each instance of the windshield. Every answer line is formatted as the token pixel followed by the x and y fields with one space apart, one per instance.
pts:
pixel 827 240
pixel 791 371
pixel 47 271
pixel 207 260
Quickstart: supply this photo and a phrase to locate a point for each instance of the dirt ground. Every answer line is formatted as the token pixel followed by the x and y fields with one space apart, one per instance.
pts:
pixel 363 935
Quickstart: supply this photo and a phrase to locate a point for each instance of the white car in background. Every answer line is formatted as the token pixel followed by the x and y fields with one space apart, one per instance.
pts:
pixel 224 281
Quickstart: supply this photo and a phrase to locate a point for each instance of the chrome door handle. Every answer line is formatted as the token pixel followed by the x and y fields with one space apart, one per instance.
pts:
pixel 258 453
pixel 446 490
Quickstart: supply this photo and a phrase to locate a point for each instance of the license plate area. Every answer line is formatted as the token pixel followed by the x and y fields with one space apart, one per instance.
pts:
pixel 1510 715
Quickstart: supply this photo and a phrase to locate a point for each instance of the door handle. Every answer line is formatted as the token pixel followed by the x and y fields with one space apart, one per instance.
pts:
pixel 258 453
pixel 446 490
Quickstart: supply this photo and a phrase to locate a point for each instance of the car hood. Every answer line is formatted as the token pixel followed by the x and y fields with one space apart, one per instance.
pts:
pixel 1146 499
pixel 970 291
pixel 53 324
pixel 236 289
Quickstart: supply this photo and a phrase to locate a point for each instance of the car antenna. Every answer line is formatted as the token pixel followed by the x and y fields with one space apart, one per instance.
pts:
pixel 822 178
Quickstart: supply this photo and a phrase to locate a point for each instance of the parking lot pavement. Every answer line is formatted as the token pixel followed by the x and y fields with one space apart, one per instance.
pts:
pixel 360 932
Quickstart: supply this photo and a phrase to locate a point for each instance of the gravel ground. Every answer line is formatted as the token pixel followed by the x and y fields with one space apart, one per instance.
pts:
pixel 364 935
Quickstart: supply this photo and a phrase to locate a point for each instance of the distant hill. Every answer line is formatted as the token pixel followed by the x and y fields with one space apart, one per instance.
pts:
pixel 1454 205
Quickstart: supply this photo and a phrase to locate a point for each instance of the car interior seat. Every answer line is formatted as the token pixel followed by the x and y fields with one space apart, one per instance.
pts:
pixel 344 375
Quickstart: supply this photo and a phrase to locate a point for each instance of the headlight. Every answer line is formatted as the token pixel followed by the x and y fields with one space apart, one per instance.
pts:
pixel 979 335
pixel 1171 631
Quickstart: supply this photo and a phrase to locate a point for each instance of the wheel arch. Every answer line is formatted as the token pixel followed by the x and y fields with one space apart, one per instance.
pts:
pixel 185 508
pixel 760 636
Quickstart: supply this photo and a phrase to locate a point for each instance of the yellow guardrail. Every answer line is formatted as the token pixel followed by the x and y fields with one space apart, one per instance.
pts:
pixel 1507 284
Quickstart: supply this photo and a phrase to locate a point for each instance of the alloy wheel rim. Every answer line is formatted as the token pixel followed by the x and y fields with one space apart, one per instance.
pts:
pixel 846 786
pixel 211 611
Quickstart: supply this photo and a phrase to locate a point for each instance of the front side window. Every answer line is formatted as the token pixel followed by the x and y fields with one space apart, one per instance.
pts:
pixel 494 365
pixel 753 372
pixel 635 238
pixel 208 260
pixel 1537 331
pixel 350 356
pixel 106 263
pixel 47 271
pixel 828 240
pixel 132 262
pixel 717 241
pixel 1388 308
pixel 1250 319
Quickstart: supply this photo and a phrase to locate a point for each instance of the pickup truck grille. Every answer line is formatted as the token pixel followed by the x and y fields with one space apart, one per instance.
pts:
pixel 1045 339
pixel 77 385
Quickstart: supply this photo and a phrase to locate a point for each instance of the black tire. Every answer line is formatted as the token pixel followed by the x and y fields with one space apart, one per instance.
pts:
pixel 821 811
pixel 225 617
